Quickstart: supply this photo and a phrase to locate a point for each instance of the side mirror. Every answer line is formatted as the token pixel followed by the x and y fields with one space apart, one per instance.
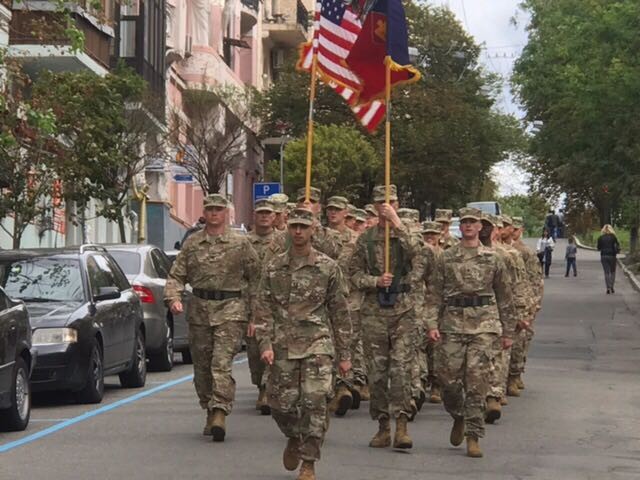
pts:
pixel 106 293
pixel 176 246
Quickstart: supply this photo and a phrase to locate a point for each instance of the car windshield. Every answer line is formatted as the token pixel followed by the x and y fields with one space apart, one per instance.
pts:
pixel 44 279
pixel 129 262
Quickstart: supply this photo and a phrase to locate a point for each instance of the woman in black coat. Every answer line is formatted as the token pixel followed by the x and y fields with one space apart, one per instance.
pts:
pixel 609 247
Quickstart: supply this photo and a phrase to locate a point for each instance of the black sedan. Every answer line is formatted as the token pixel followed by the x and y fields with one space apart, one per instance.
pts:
pixel 86 318
pixel 16 362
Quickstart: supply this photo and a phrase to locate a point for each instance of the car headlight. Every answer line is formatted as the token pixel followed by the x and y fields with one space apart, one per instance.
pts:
pixel 54 336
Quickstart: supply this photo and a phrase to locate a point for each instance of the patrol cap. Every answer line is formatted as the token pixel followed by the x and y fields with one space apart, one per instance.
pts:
pixel 215 200
pixel 518 222
pixel 291 206
pixel 471 213
pixel 370 210
pixel 506 220
pixel 443 215
pixel 351 211
pixel 341 203
pixel 379 193
pixel 409 214
pixel 300 216
pixel 431 227
pixel 314 194
pixel 279 202
pixel 360 214
pixel 494 220
pixel 263 205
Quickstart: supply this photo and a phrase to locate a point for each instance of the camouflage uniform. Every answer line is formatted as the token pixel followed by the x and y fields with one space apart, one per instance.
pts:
pixel 279 202
pixel 215 266
pixel 387 331
pixel 324 239
pixel 444 216
pixel 302 315
pixel 266 246
pixel 471 287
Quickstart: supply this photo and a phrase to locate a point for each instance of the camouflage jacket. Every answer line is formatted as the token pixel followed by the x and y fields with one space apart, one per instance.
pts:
pixel 266 246
pixel 303 309
pixel 224 262
pixel 472 272
pixel 534 274
pixel 347 240
pixel 449 241
pixel 520 290
pixel 326 241
pixel 367 264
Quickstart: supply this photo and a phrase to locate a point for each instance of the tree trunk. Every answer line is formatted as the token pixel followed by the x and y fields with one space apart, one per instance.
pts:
pixel 633 239
pixel 17 232
pixel 123 236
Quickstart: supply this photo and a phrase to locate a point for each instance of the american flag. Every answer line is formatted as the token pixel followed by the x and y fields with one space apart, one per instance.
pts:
pixel 336 28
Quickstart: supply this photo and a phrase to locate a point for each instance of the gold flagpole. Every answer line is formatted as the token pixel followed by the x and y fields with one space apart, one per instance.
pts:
pixel 387 159
pixel 312 97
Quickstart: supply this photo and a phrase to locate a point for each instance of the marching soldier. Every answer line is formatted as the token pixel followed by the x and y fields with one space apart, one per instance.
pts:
pixel 302 327
pixel 361 221
pixel 372 215
pixel 472 289
pixel 350 219
pixel 267 243
pixel 323 239
pixel 443 217
pixel 219 265
pixel 388 318
pixel 279 201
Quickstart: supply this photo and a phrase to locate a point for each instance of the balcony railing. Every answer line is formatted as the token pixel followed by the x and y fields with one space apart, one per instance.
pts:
pixel 302 16
pixel 252 4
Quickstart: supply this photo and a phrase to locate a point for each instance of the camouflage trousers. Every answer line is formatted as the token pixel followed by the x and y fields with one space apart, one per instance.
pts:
pixel 358 373
pixel 519 352
pixel 298 394
pixel 419 364
pixel 463 363
pixel 499 372
pixel 257 367
pixel 213 349
pixel 389 350
pixel 432 377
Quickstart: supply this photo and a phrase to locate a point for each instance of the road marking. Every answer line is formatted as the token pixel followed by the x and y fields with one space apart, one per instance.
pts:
pixel 98 411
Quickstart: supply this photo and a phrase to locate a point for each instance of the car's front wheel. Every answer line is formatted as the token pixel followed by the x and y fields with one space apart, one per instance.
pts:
pixel 16 417
pixel 136 376
pixel 93 390
pixel 163 360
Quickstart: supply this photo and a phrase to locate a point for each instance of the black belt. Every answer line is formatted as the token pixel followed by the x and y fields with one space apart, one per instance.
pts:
pixel 464 301
pixel 402 288
pixel 215 294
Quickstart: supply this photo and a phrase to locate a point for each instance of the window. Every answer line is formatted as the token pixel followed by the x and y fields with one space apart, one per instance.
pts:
pixel 160 263
pixel 4 304
pixel 129 261
pixel 127 38
pixel 100 274
pixel 121 281
pixel 45 279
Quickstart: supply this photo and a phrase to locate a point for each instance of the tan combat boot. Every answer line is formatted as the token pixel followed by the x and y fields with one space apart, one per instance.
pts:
pixel 307 471
pixel 263 402
pixel 503 401
pixel 457 431
pixel 435 396
pixel 519 382
pixel 356 396
pixel 209 425
pixel 341 403
pixel 218 429
pixel 493 411
pixel 291 455
pixel 364 393
pixel 512 388
pixel 402 438
pixel 382 439
pixel 473 447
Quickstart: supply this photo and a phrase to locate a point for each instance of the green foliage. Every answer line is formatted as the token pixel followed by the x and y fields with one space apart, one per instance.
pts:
pixel 532 208
pixel 344 163
pixel 578 78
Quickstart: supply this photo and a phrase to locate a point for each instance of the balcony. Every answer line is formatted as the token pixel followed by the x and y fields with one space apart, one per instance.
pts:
pixel 251 4
pixel 287 23
pixel 49 47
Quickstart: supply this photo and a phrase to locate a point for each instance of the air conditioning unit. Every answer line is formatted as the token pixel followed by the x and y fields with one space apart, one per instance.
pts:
pixel 277 58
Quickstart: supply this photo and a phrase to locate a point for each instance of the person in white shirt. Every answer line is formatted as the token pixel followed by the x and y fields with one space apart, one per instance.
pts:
pixel 544 249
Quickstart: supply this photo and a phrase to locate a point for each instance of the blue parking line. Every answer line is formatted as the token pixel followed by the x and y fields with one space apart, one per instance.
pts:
pixel 98 411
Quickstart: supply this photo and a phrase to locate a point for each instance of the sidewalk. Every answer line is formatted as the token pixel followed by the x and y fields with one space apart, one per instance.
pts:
pixel 635 282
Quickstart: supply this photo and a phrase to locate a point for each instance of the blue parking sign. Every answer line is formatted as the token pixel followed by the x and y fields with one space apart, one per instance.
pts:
pixel 264 190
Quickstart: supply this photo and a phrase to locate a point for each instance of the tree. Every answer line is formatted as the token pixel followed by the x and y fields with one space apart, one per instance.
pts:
pixel 578 79
pixel 27 146
pixel 532 208
pixel 105 137
pixel 344 163
pixel 216 134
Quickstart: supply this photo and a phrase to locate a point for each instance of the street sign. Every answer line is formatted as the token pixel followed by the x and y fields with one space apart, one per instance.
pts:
pixel 183 178
pixel 264 190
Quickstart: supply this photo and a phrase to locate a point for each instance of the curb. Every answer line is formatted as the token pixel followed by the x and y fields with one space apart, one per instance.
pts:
pixel 630 275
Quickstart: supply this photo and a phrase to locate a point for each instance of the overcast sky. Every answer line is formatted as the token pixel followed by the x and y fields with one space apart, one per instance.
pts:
pixel 490 22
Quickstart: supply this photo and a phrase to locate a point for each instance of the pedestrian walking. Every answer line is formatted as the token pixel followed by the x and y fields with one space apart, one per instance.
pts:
pixel 545 249
pixel 609 248
pixel 552 223
pixel 570 256
pixel 302 327
pixel 222 267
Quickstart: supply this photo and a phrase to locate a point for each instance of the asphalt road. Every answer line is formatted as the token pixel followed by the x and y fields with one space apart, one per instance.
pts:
pixel 579 417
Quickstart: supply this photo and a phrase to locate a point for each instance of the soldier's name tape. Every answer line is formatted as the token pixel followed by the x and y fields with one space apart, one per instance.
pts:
pixel 99 411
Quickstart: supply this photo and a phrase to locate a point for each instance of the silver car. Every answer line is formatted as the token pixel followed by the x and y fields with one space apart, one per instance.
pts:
pixel 146 268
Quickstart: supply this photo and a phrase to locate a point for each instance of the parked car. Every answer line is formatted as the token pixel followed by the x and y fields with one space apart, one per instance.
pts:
pixel 487 207
pixel 186 353
pixel 86 318
pixel 146 268
pixel 16 363
pixel 454 227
